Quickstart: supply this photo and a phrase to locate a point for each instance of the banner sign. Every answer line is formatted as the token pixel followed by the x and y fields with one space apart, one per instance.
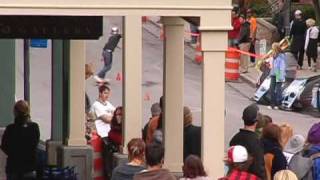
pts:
pixel 51 27
pixel 39 43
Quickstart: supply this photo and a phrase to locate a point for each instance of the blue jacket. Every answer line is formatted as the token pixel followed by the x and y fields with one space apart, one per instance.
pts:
pixel 279 67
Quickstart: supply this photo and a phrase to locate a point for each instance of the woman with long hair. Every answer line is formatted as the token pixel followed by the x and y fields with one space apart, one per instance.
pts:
pixel 19 143
pixel 193 169
pixel 273 156
pixel 115 133
pixel 277 74
pixel 136 152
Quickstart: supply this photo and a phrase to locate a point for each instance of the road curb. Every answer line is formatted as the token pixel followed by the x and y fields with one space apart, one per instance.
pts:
pixel 245 78
pixel 188 47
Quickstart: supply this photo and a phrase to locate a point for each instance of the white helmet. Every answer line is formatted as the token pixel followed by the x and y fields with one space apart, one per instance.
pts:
pixel 297 12
pixel 115 30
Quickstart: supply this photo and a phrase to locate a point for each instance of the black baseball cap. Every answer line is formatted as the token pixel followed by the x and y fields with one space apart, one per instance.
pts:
pixel 250 114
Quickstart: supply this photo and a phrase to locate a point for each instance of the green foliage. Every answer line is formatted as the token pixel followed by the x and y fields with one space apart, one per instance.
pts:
pixel 261 7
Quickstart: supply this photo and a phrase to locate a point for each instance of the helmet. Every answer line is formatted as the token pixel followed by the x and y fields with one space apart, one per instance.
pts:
pixel 114 30
pixel 298 12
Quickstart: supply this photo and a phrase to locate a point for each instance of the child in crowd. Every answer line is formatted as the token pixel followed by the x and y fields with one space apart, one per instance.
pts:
pixel 238 162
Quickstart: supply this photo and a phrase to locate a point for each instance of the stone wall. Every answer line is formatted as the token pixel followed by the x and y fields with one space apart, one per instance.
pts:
pixel 267 31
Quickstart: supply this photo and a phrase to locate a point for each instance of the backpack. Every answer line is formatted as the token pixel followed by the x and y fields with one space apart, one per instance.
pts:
pixel 316 166
pixel 58 173
pixel 306 168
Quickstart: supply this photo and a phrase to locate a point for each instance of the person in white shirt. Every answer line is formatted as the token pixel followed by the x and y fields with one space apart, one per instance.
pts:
pixel 311 43
pixel 103 110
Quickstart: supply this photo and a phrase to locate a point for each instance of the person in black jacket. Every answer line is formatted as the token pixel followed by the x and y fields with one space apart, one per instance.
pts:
pixel 297 32
pixel 244 43
pixel 249 139
pixel 19 143
pixel 107 54
pixel 192 135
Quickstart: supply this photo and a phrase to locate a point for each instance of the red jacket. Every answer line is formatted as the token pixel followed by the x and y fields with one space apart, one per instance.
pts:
pixel 234 34
pixel 115 136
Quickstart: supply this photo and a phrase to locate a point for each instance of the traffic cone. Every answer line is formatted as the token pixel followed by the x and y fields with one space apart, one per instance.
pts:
pixel 119 77
pixel 147 97
pixel 144 19
pixel 98 163
pixel 199 55
pixel 161 33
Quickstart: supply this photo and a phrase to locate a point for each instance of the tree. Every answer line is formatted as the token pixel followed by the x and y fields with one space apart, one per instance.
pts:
pixel 244 5
pixel 316 4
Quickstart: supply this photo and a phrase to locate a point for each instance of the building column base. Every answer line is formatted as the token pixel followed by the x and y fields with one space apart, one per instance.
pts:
pixel 3 158
pixel 52 151
pixel 80 157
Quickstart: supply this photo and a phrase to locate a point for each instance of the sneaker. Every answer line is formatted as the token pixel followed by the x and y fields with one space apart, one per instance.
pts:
pixel 97 78
pixel 252 65
pixel 270 107
pixel 309 68
pixel 276 108
pixel 100 80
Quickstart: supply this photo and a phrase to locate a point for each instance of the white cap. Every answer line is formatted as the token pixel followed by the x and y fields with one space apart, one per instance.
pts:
pixel 237 154
pixel 298 12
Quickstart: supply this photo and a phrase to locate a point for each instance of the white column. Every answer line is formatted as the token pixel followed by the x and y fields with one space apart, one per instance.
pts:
pixel 173 92
pixel 77 93
pixel 214 44
pixel 132 70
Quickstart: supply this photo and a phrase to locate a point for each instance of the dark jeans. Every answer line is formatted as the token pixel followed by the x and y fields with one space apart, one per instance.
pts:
pixel 299 55
pixel 309 61
pixel 107 59
pixel 275 92
pixel 252 50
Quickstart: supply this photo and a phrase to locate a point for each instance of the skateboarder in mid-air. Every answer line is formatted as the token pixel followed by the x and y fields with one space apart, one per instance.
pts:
pixel 107 54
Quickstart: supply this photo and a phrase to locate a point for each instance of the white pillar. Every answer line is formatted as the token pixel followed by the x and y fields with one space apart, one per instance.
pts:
pixel 173 92
pixel 214 43
pixel 77 93
pixel 132 69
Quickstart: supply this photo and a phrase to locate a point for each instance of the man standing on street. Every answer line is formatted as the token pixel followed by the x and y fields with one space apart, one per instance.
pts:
pixel 253 33
pixel 234 33
pixel 103 110
pixel 244 43
pixel 297 32
pixel 107 54
pixel 249 139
